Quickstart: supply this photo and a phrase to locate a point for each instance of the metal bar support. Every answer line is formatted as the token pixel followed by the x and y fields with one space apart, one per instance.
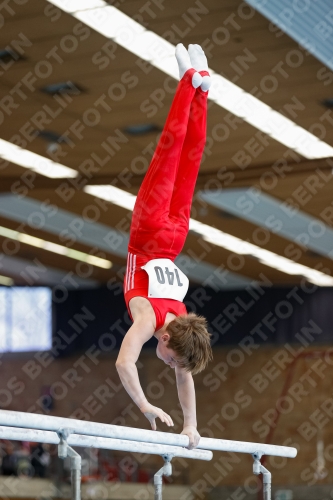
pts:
pixel 64 450
pixel 166 470
pixel 258 468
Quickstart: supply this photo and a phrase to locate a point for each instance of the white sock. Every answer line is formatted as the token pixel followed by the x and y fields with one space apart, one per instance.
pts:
pixel 199 62
pixel 184 63
pixel 206 83
pixel 197 57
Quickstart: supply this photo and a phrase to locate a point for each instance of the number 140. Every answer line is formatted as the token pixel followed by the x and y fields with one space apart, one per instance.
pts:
pixel 170 275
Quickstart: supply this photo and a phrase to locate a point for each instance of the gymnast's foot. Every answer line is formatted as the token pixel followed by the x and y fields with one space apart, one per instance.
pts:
pixel 199 62
pixel 184 63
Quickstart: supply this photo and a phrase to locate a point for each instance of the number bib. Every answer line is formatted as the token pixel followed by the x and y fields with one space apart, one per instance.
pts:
pixel 166 280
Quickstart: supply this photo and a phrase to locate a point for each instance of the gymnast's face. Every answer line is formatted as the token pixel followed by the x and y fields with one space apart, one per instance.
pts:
pixel 165 353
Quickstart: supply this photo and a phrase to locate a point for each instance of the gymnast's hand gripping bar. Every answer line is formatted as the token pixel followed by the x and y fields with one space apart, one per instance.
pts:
pixel 50 423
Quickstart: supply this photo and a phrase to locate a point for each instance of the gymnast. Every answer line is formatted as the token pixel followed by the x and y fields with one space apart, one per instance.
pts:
pixel 154 286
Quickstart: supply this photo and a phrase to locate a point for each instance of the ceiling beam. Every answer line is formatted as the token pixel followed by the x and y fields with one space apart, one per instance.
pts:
pixel 241 178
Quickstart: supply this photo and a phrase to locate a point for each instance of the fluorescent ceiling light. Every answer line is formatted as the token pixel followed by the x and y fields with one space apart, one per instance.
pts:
pixel 272 214
pixel 54 247
pixel 33 161
pixel 271 259
pixel 114 195
pixel 113 23
pixel 168 65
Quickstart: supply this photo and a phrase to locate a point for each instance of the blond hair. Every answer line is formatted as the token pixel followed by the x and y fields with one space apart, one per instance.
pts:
pixel 190 340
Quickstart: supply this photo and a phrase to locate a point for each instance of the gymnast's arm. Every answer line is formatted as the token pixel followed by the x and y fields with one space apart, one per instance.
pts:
pixel 139 333
pixel 186 394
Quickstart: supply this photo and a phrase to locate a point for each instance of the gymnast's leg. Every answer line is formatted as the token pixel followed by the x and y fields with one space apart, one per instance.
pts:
pixel 192 151
pixel 151 211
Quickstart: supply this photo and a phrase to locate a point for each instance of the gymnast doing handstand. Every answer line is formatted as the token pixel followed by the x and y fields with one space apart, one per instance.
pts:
pixel 154 286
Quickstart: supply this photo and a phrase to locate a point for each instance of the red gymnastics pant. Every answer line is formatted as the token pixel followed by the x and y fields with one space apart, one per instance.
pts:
pixel 161 214
pixel 160 221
